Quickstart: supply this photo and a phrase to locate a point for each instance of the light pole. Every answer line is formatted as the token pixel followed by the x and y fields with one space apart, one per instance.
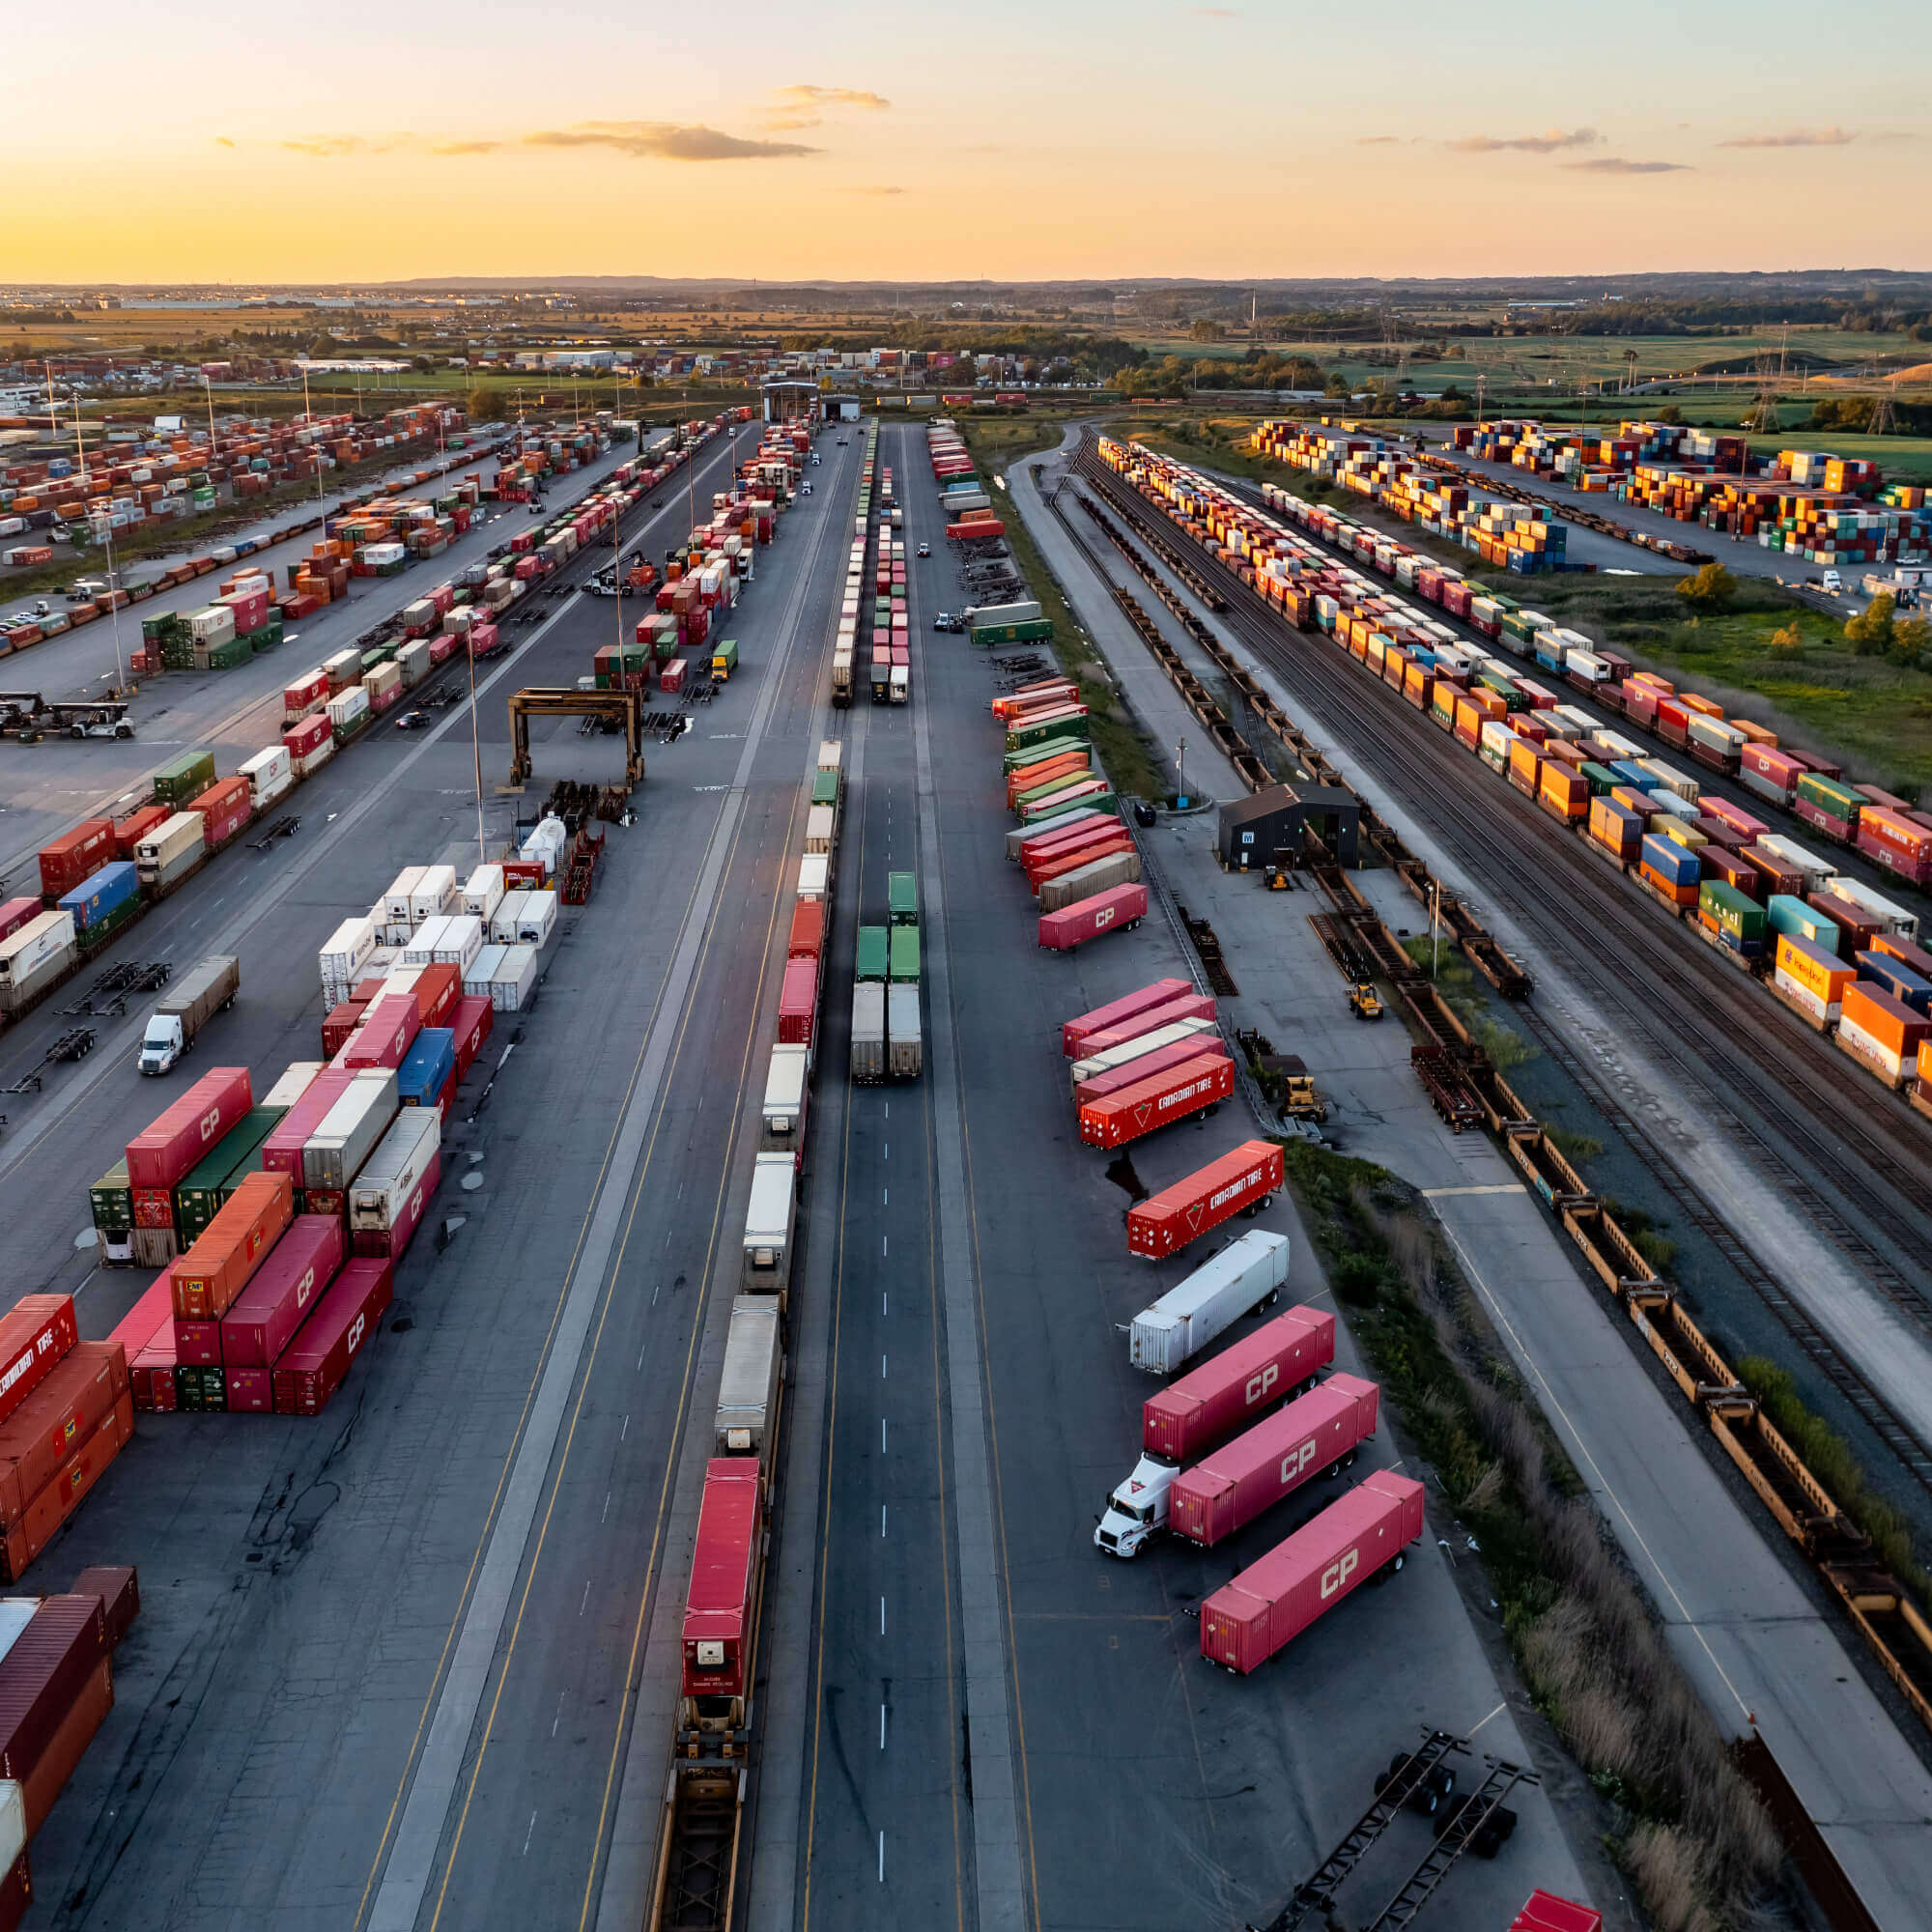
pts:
pixel 107 537
pixel 475 740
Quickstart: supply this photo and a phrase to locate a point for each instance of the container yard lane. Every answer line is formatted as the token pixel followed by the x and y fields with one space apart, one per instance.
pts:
pixel 309 1587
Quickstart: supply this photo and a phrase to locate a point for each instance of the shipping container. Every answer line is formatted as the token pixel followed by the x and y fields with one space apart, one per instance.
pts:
pixel 33 957
pixel 1118 910
pixel 382 1192
pixel 1277 1360
pixel 770 1216
pixel 905 1046
pixel 164 1151
pixel 872 953
pixel 798 1002
pixel 263 1319
pixel 77 1397
pixel 781 1126
pixel 345 1137
pixel 217 1269
pixel 868 1032
pixel 1244 1278
pixel 1319 1435
pixel 721 1599
pixel 1197 1085
pixel 748 1387
pixel 43 1672
pixel 1270 1603
pixel 1243 1181
pixel 37 1333
pixel 1186 1006
pixel 317 1362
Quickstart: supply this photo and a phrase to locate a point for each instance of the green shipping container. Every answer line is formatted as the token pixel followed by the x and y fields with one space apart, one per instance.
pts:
pixel 201 1391
pixel 906 955
pixel 227 656
pixel 1045 807
pixel 1039 630
pixel 825 788
pixel 1024 735
pixel 184 777
pixel 111 1200
pixel 873 952
pixel 725 657
pixel 1741 918
pixel 1602 780
pixel 902 898
pixel 1837 801
pixel 198 1195
pixel 1037 755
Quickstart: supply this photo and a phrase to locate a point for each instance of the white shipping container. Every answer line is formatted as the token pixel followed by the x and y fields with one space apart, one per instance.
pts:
pixel 814 876
pixel 292 1084
pixel 268 773
pixel 868 1030
pixel 782 1122
pixel 213 626
pixel 1247 1274
pixel 459 940
pixel 434 893
pixel 766 1267
pixel 1816 871
pixel 348 707
pixel 516 979
pixel 1893 915
pixel 185 831
pixel 311 762
pixel 483 891
pixel 503 920
pixel 347 1133
pixel 748 1389
pixel 390 1176
pixel 419 948
pixel 905 1052
pixel 346 951
pixel 536 920
pixel 1146 1042
pixel 819 826
pixel 29 954
pixel 481 971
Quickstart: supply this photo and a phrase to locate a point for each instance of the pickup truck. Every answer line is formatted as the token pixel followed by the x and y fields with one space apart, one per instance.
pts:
pixel 188 1005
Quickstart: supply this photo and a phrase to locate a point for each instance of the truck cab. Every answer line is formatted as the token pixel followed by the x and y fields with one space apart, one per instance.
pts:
pixel 1136 1512
pixel 162 1044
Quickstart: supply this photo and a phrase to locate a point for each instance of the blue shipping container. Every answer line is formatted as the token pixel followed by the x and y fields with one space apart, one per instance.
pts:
pixel 94 899
pixel 1899 981
pixel 1669 860
pixel 1785 913
pixel 427 1067
pixel 1633 773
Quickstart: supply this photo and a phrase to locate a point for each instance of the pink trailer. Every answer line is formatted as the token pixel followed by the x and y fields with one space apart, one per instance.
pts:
pixel 1116 911
pixel 1207 1404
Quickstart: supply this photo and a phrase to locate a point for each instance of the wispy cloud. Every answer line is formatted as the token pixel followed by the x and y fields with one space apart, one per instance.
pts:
pixel 1609 164
pixel 333 147
pixel 1795 137
pixel 665 141
pixel 222 141
pixel 803 106
pixel 1377 141
pixel 876 190
pixel 465 147
pixel 1526 144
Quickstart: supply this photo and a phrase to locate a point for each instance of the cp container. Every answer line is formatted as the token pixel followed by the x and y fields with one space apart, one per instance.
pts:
pixel 282 1150
pixel 316 1363
pixel 217 1267
pixel 1242 1180
pixel 1279 1359
pixel 264 1317
pixel 1118 910
pixel 1273 1601
pixel 163 1153
pixel 1316 1435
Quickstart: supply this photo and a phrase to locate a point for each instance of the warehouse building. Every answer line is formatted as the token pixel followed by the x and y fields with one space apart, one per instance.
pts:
pixel 1272 827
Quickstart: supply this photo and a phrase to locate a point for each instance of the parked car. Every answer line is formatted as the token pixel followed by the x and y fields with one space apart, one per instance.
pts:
pixel 926 550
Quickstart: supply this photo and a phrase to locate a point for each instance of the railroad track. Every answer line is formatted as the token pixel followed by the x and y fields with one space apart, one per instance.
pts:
pixel 1584 908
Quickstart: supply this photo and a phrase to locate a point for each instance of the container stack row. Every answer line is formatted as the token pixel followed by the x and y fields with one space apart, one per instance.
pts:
pixel 1765 900
pixel 56 1689
pixel 963 499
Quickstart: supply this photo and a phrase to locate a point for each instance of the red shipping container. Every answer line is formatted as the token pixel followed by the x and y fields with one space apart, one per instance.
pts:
pixel 219 800
pixel 151 1372
pixel 75 856
pixel 437 989
pixel 160 1155
pixel 307 692
pixel 17 1893
pixel 43 1673
pixel 471 1023
pixel 58 1500
pixel 250 1391
pixel 1546 1911
pixel 1243 1178
pixel 68 1746
pixel 387 1243
pixel 718 1601
pixel 128 832
pixel 808 931
pixel 1312 1436
pixel 263 1319
pixel 1272 1601
pixel 389 1025
pixel 16 913
pixel 1279 1359
pixel 1037 852
pixel 34 1334
pixel 798 1002
pixel 310 735
pixel 1071 857
pixel 315 1364
pixel 338 1024
pixel 1189 1007
pixel 282 1150
pixel 119 1589
pixel 1115 1118
pixel 1119 910
pixel 1162 1060
pixel 218 1267
pixel 198 1343
pixel 63 1412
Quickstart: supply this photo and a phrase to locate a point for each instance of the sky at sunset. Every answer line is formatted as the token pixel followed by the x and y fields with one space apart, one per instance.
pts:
pixel 214 141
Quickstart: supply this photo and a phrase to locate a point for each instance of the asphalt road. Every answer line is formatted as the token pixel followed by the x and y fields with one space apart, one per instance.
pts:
pixel 1148 1790
pixel 51 785
pixel 501 1476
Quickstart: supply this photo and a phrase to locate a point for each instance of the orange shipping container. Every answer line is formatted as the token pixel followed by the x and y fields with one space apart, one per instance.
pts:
pixel 61 1756
pixel 207 1279
pixel 61 1497
pixel 62 1413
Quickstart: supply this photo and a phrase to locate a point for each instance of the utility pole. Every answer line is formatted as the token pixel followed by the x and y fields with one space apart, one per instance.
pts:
pixel 107 537
pixel 1180 770
pixel 1435 927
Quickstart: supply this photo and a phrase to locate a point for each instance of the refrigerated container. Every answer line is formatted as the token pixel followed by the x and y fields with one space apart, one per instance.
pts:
pixel 781 1123
pixel 1320 1434
pixel 347 1133
pixel 395 1168
pixel 905 1048
pixel 1244 1278
pixel 33 957
pixel 1272 1601
pixel 483 893
pixel 868 1032
pixel 768 1221
pixel 748 1388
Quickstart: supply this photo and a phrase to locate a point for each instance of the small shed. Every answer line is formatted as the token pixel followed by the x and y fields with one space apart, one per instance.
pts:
pixel 1272 827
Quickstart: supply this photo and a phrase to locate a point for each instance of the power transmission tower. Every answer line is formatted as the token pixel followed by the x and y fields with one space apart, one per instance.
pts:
pixel 1764 418
pixel 1883 419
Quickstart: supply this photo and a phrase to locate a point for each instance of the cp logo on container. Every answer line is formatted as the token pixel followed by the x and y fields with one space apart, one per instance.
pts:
pixel 1339 1571
pixel 1259 1386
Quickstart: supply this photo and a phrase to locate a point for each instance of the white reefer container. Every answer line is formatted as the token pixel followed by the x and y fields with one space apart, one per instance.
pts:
pixel 515 982
pixel 346 1134
pixel 173 838
pixel 782 1123
pixel 268 774
pixel 504 920
pixel 814 876
pixel 769 1218
pixel 868 1032
pixel 344 954
pixel 1247 1274
pixel 396 901
pixel 434 893
pixel 419 948
pixel 381 1192
pixel 483 891
pixel 478 974
pixel 748 1389
pixel 536 920
pixel 33 956
pixel 906 1050
pixel 459 940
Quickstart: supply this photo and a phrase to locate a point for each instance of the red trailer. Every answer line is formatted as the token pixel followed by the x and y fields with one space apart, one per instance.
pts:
pixel 1240 1181
pixel 282 1150
pixel 798 1002
pixel 1162 1060
pixel 1071 858
pixel 807 940
pixel 472 1022
pixel 261 1320
pixel 1546 1911
pixel 76 854
pixel 164 1151
pixel 34 1334
pixel 1119 910
pixel 1317 1435
pixel 1151 1102
pixel 1278 1361
pixel 315 1364
pixel 721 1607
pixel 389 1025
pixel 1189 1007
pixel 1272 1601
